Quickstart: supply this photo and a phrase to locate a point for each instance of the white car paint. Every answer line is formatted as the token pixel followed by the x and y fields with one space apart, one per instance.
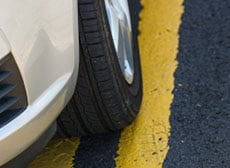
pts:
pixel 43 38
pixel 4 44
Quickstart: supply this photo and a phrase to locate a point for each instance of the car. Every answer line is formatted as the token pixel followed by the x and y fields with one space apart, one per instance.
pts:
pixel 67 68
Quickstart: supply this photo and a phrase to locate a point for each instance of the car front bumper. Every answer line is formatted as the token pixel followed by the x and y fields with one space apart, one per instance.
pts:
pixel 24 130
pixel 43 39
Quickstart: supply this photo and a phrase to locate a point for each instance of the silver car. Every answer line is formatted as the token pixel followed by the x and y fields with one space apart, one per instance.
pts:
pixel 78 57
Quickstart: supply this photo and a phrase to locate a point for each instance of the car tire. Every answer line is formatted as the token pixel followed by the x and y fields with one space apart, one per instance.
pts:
pixel 103 100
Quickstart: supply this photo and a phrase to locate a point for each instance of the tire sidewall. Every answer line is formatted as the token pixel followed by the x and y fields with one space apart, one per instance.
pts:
pixel 131 93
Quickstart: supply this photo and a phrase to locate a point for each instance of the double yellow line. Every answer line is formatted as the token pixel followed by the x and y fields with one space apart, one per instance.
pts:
pixel 145 142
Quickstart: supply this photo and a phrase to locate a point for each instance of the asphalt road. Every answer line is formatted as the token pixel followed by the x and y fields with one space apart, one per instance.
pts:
pixel 200 112
pixel 186 125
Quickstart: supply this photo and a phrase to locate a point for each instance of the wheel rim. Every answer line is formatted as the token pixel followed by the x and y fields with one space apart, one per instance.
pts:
pixel 120 26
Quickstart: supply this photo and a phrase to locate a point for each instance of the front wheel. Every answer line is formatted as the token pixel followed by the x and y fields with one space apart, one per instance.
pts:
pixel 109 87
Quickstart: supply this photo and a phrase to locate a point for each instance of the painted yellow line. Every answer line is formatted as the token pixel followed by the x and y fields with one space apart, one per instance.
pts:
pixel 145 142
pixel 58 153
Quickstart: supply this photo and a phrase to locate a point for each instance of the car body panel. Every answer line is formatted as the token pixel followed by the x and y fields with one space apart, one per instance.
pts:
pixel 41 38
pixel 42 35
pixel 4 44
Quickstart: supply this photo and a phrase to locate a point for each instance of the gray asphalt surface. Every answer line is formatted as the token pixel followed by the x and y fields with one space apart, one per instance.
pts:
pixel 200 112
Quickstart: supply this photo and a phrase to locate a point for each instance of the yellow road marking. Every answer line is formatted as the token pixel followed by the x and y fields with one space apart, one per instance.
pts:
pixel 145 142
pixel 58 153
